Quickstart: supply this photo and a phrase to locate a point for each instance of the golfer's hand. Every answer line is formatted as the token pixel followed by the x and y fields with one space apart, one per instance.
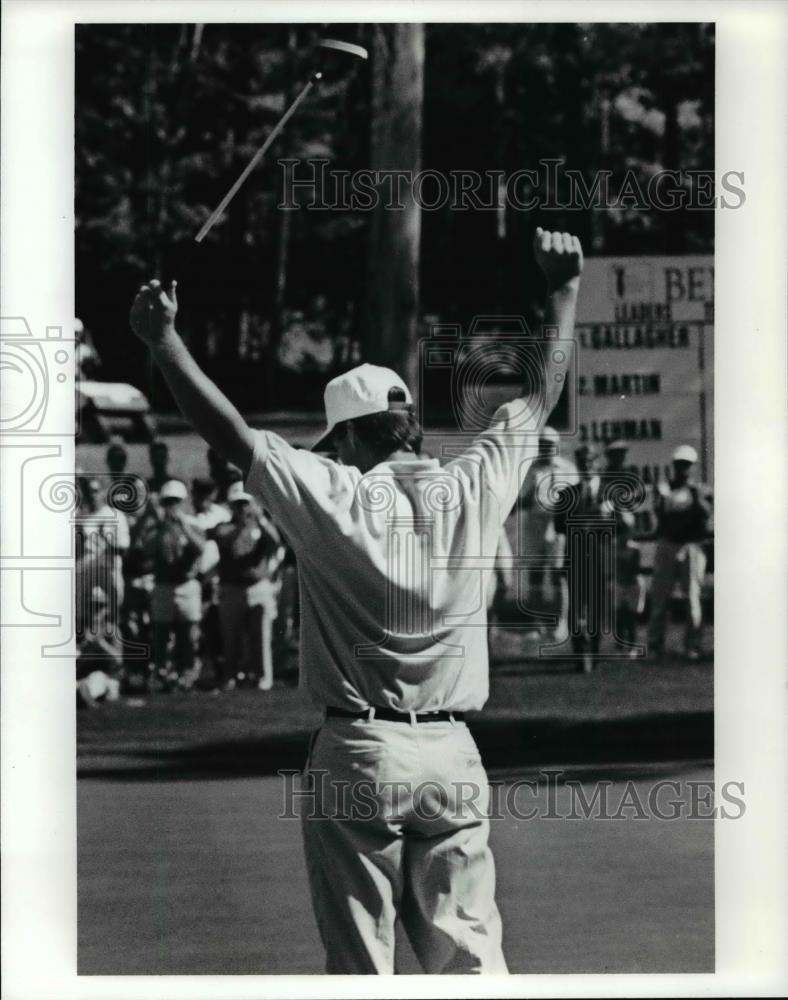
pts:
pixel 153 312
pixel 560 257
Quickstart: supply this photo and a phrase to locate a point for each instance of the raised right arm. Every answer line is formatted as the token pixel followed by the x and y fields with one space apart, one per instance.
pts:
pixel 560 257
pixel 501 455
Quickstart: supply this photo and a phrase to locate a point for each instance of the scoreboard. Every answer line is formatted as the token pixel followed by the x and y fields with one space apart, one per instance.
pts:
pixel 645 358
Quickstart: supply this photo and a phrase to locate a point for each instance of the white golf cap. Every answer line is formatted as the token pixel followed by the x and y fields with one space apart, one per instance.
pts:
pixel 236 493
pixel 685 453
pixel 173 489
pixel 358 393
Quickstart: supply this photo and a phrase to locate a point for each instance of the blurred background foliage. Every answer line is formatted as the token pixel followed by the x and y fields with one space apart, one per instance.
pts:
pixel 168 115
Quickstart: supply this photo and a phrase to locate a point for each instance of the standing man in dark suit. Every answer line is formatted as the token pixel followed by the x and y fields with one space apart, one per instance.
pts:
pixel 582 504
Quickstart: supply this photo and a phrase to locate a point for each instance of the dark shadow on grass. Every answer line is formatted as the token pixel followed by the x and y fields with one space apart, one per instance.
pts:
pixel 549 666
pixel 592 772
pixel 504 744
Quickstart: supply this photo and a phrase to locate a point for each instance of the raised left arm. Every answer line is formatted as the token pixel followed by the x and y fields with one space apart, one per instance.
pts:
pixel 203 404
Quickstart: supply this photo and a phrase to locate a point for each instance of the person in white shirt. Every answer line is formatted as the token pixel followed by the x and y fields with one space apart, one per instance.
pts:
pixel 250 554
pixel 683 513
pixel 207 515
pixel 102 540
pixel 537 536
pixel 394 554
pixel 174 547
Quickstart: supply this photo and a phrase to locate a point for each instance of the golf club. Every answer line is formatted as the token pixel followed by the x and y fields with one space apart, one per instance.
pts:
pixel 324 46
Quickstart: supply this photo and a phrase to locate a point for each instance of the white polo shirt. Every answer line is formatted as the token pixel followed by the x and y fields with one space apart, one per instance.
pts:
pixel 394 565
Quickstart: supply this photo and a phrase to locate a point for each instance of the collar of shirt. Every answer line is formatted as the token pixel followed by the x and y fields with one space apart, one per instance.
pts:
pixel 409 465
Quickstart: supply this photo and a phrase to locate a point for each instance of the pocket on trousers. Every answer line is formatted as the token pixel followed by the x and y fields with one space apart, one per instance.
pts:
pixel 469 765
pixel 350 773
pixel 345 755
pixel 471 759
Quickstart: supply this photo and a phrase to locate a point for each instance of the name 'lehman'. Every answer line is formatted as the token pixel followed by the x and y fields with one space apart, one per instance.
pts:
pixel 604 431
pixel 602 337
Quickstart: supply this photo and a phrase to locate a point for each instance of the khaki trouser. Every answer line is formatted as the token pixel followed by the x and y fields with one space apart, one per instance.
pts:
pixel 246 617
pixel 689 562
pixel 408 837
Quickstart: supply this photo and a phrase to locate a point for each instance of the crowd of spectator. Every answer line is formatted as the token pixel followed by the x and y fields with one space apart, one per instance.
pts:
pixel 586 572
pixel 180 590
pixel 193 588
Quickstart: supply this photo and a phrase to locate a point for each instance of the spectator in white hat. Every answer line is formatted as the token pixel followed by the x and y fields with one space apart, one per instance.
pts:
pixel 536 532
pixel 175 546
pixel 250 553
pixel 683 511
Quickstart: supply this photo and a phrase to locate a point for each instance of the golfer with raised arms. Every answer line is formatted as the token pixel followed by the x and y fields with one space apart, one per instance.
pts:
pixel 393 645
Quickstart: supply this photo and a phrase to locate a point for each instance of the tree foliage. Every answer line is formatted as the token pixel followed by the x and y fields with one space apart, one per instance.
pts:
pixel 168 115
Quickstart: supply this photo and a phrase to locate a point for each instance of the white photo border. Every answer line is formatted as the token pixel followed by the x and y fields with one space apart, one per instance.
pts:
pixel 38 724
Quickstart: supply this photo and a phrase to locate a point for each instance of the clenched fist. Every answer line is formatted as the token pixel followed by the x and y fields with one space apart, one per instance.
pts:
pixel 153 312
pixel 560 257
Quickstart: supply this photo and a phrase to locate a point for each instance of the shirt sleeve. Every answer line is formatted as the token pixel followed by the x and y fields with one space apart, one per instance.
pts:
pixel 297 487
pixel 499 458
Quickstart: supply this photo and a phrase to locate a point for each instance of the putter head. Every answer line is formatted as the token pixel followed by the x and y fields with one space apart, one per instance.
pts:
pixel 346 48
pixel 335 58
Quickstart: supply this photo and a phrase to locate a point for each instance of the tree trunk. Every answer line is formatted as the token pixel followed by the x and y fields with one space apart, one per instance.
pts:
pixel 392 296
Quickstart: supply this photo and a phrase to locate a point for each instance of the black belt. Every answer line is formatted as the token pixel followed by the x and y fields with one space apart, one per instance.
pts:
pixel 390 715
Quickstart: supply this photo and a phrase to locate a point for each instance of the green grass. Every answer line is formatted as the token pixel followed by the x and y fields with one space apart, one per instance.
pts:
pixel 200 877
